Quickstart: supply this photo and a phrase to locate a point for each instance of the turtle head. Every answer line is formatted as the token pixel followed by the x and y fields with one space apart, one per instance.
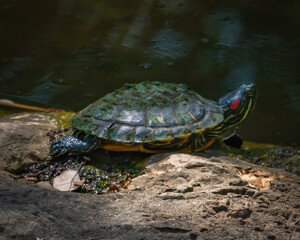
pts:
pixel 237 104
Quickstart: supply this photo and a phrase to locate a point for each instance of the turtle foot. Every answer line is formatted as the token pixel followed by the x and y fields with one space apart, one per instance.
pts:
pixel 72 145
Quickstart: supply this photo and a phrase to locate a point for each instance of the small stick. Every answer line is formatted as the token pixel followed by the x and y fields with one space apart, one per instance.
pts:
pixel 9 103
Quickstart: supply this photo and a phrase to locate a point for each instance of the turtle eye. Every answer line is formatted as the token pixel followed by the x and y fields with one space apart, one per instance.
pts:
pixel 235 104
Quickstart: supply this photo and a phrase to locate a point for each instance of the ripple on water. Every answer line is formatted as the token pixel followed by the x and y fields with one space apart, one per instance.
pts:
pixel 171 44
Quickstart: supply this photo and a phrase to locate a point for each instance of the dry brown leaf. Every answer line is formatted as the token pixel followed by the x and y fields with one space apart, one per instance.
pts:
pixel 68 180
pixel 258 179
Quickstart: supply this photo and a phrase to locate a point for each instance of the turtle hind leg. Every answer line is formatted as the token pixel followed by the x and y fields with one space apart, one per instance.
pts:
pixel 72 145
pixel 201 142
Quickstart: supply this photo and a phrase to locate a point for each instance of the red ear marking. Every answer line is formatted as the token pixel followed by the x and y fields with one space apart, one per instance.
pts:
pixel 235 104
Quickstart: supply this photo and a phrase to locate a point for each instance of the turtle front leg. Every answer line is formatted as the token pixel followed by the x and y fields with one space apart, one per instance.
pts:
pixel 73 145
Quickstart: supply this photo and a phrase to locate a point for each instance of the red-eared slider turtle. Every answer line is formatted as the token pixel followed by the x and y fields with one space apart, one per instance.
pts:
pixel 155 117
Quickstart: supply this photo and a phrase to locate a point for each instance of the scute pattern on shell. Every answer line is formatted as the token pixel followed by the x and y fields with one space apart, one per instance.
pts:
pixel 148 112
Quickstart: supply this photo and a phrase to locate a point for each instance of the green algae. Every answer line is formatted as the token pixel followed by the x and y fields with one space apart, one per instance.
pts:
pixel 111 171
pixel 47 170
pixel 110 175
pixel 99 181
pixel 61 119
pixel 102 171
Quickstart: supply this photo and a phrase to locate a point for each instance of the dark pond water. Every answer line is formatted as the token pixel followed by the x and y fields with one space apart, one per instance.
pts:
pixel 68 53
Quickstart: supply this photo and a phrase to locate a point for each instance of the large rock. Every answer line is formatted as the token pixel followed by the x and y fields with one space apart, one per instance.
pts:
pixel 217 198
pixel 23 140
pixel 180 196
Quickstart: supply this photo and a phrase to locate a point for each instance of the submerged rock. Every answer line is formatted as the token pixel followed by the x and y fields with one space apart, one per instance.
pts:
pixel 179 196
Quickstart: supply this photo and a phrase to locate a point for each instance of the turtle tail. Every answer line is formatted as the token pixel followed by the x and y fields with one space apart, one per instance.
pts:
pixel 73 145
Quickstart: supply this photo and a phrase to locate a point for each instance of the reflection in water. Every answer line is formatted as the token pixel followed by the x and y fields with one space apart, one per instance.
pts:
pixel 69 53
pixel 136 29
pixel 43 93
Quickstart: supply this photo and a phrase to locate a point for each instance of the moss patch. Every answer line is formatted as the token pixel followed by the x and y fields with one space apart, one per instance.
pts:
pixel 61 119
pixel 287 158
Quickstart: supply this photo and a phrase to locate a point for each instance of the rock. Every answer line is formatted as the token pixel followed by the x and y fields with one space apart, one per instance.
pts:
pixel 23 140
pixel 180 196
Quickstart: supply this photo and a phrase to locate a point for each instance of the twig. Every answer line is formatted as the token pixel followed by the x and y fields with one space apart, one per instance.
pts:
pixel 9 103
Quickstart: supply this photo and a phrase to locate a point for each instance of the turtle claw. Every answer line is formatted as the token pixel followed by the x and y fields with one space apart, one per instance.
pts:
pixel 57 148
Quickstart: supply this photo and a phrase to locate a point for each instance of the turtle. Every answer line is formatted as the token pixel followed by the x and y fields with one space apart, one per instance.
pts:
pixel 154 117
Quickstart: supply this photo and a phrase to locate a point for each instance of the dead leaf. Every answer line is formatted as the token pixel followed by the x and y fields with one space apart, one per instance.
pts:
pixel 113 187
pixel 258 179
pixel 31 179
pixel 68 180
pixel 89 187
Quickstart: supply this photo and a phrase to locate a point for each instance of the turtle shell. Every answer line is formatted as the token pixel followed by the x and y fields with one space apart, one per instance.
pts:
pixel 148 112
